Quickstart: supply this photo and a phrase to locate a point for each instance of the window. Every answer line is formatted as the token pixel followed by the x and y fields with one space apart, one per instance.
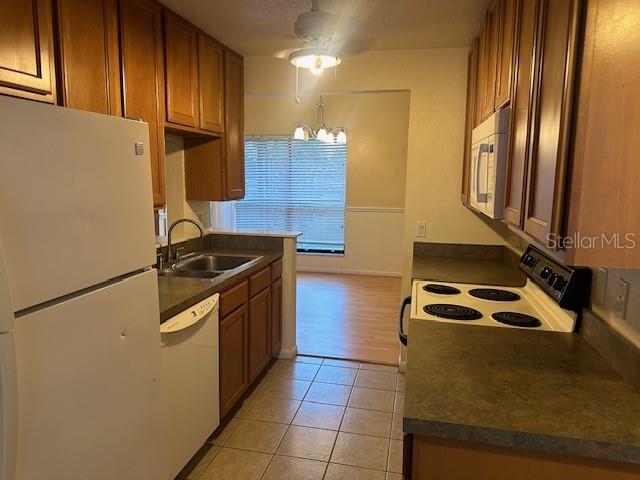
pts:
pixel 294 185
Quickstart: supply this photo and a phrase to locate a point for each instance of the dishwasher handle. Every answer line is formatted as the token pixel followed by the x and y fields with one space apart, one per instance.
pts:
pixel 191 316
pixel 401 334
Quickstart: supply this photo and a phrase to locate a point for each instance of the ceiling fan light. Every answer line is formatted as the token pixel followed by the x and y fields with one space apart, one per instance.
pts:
pixel 314 59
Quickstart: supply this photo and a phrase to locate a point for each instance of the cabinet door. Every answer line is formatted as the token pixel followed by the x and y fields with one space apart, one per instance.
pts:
pixel 89 55
pixel 259 333
pixel 469 119
pixel 233 359
pixel 517 159
pixel 143 79
pixel 234 125
pixel 505 52
pixel 211 70
pixel 276 317
pixel 553 93
pixel 481 78
pixel 492 29
pixel 27 58
pixel 181 62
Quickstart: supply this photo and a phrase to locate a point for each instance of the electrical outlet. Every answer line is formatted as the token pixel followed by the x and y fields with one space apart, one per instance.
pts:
pixel 421 229
pixel 622 295
pixel 600 285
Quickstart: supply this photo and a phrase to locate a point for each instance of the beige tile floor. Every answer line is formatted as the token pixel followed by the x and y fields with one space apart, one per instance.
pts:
pixel 314 419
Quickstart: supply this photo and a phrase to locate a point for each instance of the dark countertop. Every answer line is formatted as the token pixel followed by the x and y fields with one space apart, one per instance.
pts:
pixel 458 263
pixel 544 391
pixel 179 293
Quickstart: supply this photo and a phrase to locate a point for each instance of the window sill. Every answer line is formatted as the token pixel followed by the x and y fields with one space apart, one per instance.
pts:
pixel 321 254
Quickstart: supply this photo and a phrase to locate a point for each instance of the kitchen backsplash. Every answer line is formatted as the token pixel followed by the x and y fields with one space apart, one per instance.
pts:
pixel 605 307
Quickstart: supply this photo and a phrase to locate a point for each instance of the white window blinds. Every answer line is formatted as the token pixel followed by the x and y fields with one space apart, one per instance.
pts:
pixel 294 185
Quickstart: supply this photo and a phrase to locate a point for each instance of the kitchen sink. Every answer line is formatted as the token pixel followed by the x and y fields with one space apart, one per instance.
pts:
pixel 213 263
pixel 206 265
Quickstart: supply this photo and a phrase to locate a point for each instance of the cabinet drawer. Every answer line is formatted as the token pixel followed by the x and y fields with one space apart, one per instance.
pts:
pixel 259 281
pixel 276 270
pixel 233 298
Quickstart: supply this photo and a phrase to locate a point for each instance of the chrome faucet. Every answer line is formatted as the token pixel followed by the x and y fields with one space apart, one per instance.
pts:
pixel 173 225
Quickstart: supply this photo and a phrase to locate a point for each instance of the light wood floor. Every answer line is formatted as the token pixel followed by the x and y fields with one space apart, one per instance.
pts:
pixel 348 316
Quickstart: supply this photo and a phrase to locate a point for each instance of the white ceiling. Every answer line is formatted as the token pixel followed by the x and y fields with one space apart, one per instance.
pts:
pixel 261 27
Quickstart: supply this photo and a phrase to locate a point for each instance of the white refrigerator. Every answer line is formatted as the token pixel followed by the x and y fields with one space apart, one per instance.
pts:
pixel 80 394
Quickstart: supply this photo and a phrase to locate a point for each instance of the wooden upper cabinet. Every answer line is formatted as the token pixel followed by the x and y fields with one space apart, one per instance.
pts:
pixel 506 38
pixel 552 109
pixel 492 29
pixel 181 62
pixel 27 67
pixel 520 120
pixel 143 79
pixel 234 126
pixel 605 175
pixel 89 55
pixel 211 81
pixel 481 78
pixel 469 119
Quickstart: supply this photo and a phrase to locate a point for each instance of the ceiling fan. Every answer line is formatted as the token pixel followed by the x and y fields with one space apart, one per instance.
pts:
pixel 327 37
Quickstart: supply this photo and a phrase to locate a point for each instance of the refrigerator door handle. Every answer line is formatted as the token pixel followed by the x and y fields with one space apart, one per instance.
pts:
pixel 8 381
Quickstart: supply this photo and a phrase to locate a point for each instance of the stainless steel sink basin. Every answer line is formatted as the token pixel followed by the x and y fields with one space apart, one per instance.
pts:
pixel 206 265
pixel 213 263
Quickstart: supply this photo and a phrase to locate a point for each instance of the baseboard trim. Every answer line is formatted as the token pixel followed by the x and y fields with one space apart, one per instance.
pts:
pixel 288 353
pixel 375 273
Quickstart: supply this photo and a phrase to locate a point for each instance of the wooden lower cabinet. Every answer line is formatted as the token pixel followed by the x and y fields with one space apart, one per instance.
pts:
pixel 250 332
pixel 233 362
pixel 259 333
pixel 434 458
pixel 276 317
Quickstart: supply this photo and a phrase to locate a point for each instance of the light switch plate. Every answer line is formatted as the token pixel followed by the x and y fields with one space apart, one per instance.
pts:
pixel 421 229
pixel 622 295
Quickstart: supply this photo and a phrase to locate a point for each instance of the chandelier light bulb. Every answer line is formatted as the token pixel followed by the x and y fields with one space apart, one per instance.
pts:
pixel 299 133
pixel 322 134
pixel 342 137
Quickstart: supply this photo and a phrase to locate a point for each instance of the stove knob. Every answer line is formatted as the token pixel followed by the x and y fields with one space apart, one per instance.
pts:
pixel 552 279
pixel 545 272
pixel 559 283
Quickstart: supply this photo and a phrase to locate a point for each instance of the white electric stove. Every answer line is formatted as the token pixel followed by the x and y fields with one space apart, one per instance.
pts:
pixel 489 306
pixel 550 300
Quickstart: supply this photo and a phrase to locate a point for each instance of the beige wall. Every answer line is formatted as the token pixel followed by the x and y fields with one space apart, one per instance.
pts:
pixel 177 205
pixel 378 127
pixel 436 79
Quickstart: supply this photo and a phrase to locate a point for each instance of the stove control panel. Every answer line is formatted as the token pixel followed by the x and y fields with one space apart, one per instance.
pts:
pixel 568 286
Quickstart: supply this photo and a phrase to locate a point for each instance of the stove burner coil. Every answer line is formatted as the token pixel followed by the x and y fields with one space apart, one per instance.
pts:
pixel 516 319
pixel 452 312
pixel 494 294
pixel 440 289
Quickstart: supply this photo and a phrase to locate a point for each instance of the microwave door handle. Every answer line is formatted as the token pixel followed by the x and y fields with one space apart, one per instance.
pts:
pixel 484 149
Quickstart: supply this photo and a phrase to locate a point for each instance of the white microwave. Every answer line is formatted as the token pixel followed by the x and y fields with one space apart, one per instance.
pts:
pixel 488 164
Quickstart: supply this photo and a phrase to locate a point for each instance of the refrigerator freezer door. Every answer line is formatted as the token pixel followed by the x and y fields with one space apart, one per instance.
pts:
pixel 76 206
pixel 88 386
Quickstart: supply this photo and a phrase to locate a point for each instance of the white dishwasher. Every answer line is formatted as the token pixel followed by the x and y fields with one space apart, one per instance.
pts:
pixel 190 359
